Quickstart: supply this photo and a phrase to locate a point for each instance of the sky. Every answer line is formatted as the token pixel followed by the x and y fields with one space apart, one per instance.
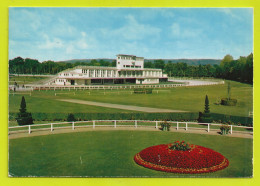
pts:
pixel 153 33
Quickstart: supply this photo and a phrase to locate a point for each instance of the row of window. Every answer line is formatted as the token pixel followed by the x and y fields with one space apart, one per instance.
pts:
pixel 125 57
pixel 62 80
pixel 131 66
pixel 100 73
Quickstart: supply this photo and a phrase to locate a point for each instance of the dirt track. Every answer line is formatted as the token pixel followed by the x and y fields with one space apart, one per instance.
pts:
pixel 118 106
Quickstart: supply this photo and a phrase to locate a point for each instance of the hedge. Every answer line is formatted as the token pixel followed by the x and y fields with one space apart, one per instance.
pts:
pixel 113 116
pixel 143 90
pixel 185 116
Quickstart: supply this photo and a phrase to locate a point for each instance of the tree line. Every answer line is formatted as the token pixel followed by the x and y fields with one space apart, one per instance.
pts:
pixel 238 70
pixel 19 65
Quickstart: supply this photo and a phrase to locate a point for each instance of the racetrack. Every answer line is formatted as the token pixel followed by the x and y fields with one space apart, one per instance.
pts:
pixel 118 106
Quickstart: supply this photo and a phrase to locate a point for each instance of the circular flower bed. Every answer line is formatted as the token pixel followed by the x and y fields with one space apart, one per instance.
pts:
pixel 181 157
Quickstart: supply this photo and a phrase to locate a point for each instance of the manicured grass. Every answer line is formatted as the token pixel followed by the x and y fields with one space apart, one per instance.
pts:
pixel 21 80
pixel 180 98
pixel 45 103
pixel 110 153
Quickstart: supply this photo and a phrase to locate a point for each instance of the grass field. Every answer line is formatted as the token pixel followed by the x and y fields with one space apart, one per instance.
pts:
pixel 21 80
pixel 110 153
pixel 180 98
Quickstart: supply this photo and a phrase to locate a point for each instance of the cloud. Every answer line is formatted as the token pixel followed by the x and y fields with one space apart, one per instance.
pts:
pixel 230 12
pixel 132 30
pixel 51 43
pixel 178 31
pixel 175 28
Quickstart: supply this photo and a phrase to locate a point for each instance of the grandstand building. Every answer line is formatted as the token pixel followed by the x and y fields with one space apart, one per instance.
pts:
pixel 129 69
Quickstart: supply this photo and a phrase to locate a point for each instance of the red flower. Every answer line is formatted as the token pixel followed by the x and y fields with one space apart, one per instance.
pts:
pixel 198 159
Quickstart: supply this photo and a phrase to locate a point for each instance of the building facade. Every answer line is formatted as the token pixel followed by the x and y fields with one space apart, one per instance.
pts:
pixel 129 69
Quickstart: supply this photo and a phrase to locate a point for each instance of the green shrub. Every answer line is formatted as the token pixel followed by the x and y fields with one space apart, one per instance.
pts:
pixel 224 129
pixel 165 126
pixel 206 116
pixel 185 116
pixel 228 102
pixel 71 117
pixel 143 90
pixel 23 117
pixel 181 146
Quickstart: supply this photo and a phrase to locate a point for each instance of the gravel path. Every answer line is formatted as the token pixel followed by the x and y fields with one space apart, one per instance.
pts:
pixel 118 106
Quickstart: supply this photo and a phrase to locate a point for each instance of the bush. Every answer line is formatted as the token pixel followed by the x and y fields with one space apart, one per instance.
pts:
pixel 228 102
pixel 205 117
pixel 26 119
pixel 23 117
pixel 185 116
pixel 182 146
pixel 165 126
pixel 224 129
pixel 71 117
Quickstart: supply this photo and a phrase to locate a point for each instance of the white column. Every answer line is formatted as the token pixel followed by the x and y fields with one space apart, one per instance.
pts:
pixel 115 123
pixel 105 73
pixel 88 73
pixel 177 125
pixel 29 129
pixel 186 126
pixel 73 127
pixel 51 127
pixel 231 129
pixel 156 124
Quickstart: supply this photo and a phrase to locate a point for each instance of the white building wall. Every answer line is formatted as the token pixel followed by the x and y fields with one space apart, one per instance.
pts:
pixel 79 82
pixel 126 62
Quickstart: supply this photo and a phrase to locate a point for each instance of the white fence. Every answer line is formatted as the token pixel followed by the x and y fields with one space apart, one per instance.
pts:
pixel 84 87
pixel 128 123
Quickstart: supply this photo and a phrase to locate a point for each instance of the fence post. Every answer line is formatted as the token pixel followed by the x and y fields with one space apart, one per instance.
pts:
pixel 208 127
pixel 156 124
pixel 186 126
pixel 177 125
pixel 29 129
pixel 93 124
pixel 115 123
pixel 73 127
pixel 231 129
pixel 51 127
pixel 135 123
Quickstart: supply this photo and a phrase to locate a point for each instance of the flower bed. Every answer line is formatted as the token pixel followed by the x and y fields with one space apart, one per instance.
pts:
pixel 193 160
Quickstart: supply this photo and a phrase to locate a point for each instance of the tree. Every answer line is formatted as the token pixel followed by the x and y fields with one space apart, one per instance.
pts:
pixel 24 118
pixel 23 106
pixel 228 58
pixel 159 64
pixel 206 105
pixel 228 91
pixel 205 117
pixel 71 117
pixel 148 64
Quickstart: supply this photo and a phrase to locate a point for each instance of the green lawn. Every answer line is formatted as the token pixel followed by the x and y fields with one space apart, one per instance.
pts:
pixel 180 98
pixel 110 153
pixel 21 80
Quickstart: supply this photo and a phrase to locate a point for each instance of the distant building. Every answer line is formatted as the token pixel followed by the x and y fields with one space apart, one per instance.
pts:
pixel 129 69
